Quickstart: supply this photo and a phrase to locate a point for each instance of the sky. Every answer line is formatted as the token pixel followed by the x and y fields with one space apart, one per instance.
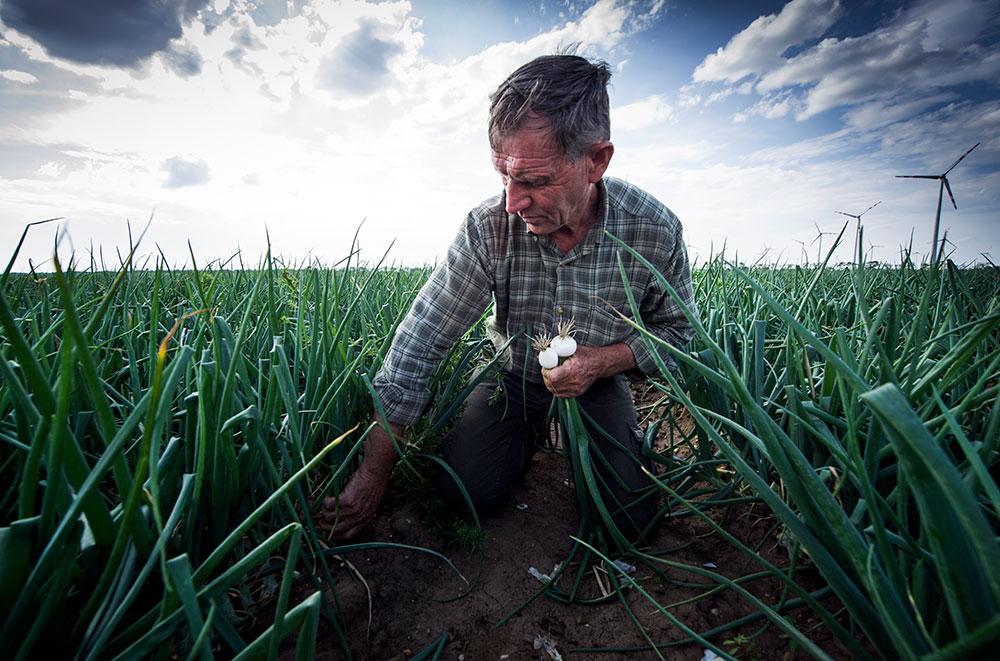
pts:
pixel 314 121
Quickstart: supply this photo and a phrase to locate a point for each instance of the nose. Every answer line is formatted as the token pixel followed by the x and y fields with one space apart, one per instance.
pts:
pixel 517 198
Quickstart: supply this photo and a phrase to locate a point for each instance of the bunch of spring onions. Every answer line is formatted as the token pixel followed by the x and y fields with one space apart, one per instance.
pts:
pixel 597 523
pixel 553 351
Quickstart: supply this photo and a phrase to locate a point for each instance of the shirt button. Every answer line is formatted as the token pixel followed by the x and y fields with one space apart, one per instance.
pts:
pixel 559 310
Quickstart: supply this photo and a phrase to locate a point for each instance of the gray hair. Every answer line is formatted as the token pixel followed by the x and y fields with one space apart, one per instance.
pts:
pixel 569 91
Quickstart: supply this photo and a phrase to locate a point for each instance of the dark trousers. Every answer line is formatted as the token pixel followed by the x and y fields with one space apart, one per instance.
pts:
pixel 491 445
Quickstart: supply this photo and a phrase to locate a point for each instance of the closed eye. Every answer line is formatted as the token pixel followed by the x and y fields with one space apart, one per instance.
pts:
pixel 529 183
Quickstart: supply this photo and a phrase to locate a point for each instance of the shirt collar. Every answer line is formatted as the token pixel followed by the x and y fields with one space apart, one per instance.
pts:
pixel 594 235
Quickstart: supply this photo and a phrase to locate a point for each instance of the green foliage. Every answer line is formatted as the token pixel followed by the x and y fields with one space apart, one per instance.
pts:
pixel 164 433
pixel 886 378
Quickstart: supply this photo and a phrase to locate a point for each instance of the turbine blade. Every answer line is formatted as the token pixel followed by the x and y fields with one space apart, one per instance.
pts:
pixel 960 158
pixel 819 233
pixel 849 215
pixel 948 186
pixel 870 208
pixel 918 176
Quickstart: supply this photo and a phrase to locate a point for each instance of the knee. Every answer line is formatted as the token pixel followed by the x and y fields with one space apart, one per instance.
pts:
pixel 462 488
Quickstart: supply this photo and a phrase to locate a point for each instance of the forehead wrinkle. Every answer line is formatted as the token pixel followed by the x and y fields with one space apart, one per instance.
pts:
pixel 519 167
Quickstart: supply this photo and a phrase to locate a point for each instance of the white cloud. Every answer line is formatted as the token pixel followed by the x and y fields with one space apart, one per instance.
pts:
pixel 715 97
pixel 283 149
pixel 18 76
pixel 904 65
pixel 183 172
pixel 451 101
pixel 646 19
pixel 883 63
pixel 772 196
pixel 759 47
pixel 881 112
pixel 51 169
pixel 359 64
pixel 409 154
pixel 950 24
pixel 641 114
pixel 689 100
pixel 770 107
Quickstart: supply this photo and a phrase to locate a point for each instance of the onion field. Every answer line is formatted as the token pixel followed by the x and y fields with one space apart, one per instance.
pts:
pixel 167 435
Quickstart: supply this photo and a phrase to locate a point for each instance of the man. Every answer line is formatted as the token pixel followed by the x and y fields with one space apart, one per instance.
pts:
pixel 539 252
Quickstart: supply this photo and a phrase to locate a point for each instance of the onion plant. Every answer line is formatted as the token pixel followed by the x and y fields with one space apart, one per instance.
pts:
pixel 861 406
pixel 164 434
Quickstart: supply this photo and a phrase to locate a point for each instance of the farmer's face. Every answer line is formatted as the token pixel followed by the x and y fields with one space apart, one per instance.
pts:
pixel 543 186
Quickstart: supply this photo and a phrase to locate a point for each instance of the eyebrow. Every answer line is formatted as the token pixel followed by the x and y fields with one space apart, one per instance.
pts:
pixel 529 179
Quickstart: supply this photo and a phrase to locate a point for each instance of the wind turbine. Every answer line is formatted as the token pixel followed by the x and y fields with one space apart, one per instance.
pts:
pixel 943 177
pixel 857 233
pixel 819 237
pixel 802 245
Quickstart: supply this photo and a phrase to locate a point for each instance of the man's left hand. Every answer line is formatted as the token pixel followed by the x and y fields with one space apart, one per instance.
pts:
pixel 575 376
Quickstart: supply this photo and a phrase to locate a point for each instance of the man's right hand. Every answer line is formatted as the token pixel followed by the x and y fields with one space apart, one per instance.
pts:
pixel 357 505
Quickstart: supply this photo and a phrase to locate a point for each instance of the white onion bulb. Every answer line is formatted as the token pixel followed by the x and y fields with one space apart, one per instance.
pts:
pixel 548 358
pixel 565 347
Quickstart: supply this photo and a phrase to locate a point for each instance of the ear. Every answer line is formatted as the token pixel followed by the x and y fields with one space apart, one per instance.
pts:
pixel 599 157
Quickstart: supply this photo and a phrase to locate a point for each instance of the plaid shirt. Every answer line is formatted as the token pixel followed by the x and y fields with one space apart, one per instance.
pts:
pixel 494 258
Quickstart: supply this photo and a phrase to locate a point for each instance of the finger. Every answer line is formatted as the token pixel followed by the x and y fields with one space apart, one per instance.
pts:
pixel 348 532
pixel 353 512
pixel 335 507
pixel 342 511
pixel 345 536
pixel 559 374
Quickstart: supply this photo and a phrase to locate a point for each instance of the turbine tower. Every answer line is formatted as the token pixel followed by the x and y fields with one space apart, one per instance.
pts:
pixel 943 177
pixel 857 232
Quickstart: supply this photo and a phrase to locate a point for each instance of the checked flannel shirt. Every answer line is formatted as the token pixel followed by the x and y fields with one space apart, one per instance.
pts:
pixel 532 284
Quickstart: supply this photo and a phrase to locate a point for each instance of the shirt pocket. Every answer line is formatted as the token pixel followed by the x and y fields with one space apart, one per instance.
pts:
pixel 611 302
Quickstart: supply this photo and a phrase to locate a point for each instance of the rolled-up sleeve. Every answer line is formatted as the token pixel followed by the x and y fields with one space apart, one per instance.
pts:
pixel 453 298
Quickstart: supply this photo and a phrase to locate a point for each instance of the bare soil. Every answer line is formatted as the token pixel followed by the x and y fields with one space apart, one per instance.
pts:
pixel 401 601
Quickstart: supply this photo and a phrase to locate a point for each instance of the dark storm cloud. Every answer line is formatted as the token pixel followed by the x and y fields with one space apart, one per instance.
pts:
pixel 359 63
pixel 113 32
pixel 182 172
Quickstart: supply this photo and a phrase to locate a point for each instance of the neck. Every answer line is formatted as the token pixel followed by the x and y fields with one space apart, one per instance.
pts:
pixel 569 236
